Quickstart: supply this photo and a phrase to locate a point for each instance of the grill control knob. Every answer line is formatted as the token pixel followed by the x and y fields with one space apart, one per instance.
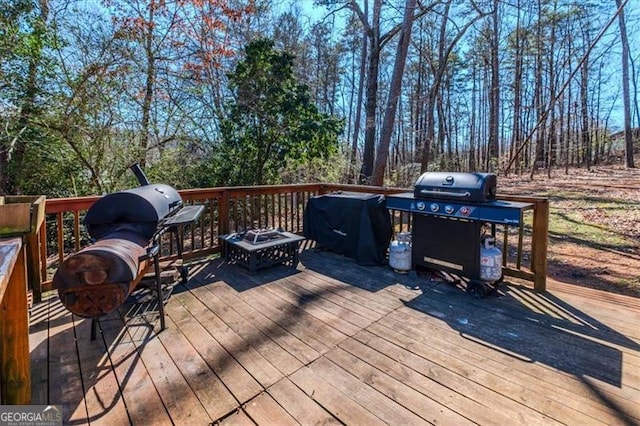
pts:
pixel 420 205
pixel 448 209
pixel 434 207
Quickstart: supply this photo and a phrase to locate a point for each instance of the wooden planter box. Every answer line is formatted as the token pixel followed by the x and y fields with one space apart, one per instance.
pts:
pixel 21 214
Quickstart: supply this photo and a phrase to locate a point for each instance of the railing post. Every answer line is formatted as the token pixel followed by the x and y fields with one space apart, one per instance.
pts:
pixel 33 264
pixel 223 213
pixel 323 189
pixel 15 364
pixel 43 255
pixel 539 243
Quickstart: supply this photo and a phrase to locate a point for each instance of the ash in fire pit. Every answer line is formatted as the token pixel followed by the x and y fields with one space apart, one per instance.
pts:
pixel 257 236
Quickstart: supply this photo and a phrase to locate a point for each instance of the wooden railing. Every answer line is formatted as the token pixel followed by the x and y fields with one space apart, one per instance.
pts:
pixel 231 209
pixel 15 365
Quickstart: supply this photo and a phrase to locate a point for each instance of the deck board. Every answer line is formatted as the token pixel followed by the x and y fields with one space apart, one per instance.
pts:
pixel 65 382
pixel 338 343
pixel 299 405
pixel 136 387
pixel 339 404
pixel 208 388
pixel 174 389
pixel 101 388
pixel 244 352
pixel 268 348
pixel 263 409
pixel 378 403
pixel 238 380
pixel 39 348
pixel 295 346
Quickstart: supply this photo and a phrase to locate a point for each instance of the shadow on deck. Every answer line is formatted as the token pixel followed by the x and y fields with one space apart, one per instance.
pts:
pixel 335 342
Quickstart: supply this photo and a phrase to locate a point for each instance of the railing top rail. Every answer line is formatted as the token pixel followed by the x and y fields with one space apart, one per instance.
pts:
pixel 59 205
pixel 10 249
pixel 391 190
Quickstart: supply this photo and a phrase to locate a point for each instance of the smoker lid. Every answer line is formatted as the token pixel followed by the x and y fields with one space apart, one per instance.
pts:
pixel 139 208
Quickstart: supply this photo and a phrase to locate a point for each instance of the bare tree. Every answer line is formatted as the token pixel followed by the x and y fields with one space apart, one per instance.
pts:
pixel 377 177
pixel 628 136
pixel 439 66
pixel 494 96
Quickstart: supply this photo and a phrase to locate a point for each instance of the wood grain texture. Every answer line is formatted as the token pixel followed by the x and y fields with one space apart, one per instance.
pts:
pixel 333 342
pixel 15 373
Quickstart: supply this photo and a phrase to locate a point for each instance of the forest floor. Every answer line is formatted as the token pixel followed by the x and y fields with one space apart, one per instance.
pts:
pixel 594 224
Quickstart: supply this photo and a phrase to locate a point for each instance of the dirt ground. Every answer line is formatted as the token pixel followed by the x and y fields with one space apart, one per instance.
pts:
pixel 594 227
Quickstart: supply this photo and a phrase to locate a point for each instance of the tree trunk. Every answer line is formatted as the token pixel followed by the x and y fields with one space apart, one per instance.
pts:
pixel 394 93
pixel 148 90
pixel 494 95
pixel 634 81
pixel 628 136
pixel 418 126
pixel 445 46
pixel 538 99
pixel 358 119
pixel 585 132
pixel 567 138
pixel 472 123
pixel 551 146
pixel 517 94
pixel 442 132
pixel 372 95
pixel 429 131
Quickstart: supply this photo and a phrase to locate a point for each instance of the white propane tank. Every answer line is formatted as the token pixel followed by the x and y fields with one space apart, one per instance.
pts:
pixel 490 260
pixel 400 253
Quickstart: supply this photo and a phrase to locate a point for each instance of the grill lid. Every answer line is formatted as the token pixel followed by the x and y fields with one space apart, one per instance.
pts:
pixel 139 209
pixel 473 187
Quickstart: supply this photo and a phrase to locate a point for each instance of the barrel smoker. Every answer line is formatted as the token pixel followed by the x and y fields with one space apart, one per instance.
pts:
pixel 127 227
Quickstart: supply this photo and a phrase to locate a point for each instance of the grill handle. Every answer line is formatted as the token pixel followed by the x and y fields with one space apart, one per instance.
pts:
pixel 466 194
pixel 137 170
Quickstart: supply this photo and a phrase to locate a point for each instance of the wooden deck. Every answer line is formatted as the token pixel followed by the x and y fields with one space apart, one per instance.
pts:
pixel 334 342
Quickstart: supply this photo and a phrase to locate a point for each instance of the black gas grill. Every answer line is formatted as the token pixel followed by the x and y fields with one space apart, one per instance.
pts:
pixel 449 211
pixel 126 227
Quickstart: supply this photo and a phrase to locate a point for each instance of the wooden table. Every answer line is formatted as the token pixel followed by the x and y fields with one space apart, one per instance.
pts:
pixel 261 255
pixel 15 383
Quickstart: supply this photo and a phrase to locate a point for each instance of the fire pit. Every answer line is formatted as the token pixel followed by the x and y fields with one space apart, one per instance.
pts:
pixel 258 249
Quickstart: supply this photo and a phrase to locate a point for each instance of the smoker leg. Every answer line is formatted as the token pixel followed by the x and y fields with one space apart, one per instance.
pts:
pixel 184 270
pixel 94 328
pixel 156 266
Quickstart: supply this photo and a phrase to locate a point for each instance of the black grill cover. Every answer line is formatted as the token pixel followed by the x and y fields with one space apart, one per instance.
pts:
pixel 356 225
pixel 473 187
pixel 138 209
